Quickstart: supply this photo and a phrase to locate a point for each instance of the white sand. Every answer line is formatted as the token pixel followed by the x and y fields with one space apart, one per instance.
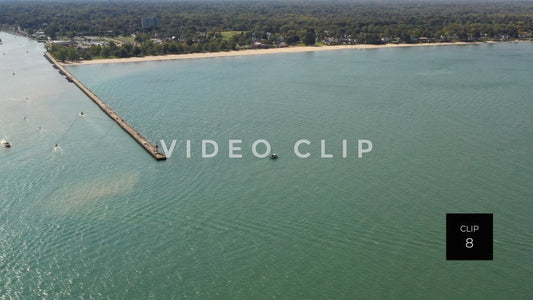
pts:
pixel 254 52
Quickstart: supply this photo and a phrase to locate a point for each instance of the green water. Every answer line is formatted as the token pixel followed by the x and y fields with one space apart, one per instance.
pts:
pixel 451 129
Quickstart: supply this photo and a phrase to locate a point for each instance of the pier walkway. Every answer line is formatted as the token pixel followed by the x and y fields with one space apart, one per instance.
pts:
pixel 110 112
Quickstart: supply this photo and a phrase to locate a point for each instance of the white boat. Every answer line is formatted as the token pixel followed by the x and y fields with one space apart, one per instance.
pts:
pixel 5 144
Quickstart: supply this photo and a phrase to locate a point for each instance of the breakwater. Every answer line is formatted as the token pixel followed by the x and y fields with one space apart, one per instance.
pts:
pixel 139 138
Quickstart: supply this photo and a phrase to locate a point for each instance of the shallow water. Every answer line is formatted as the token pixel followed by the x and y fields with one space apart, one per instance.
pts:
pixel 451 129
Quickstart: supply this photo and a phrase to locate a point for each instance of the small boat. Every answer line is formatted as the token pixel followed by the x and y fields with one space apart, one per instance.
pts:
pixel 5 144
pixel 273 156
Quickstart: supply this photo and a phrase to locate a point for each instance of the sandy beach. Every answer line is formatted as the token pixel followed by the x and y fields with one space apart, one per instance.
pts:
pixel 256 52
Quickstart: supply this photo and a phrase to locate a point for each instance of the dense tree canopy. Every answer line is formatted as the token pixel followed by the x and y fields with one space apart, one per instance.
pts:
pixel 224 25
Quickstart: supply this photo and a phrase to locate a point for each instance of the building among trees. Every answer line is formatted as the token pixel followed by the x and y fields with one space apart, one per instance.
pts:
pixel 150 22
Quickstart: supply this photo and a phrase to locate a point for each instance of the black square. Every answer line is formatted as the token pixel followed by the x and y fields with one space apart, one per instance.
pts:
pixel 468 236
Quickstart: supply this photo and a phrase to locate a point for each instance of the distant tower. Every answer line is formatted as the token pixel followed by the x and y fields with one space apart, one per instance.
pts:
pixel 150 22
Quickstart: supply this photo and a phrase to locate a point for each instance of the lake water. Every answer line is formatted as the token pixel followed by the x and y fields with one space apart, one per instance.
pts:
pixel 451 129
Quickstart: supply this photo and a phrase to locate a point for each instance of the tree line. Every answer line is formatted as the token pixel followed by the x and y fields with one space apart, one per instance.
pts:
pixel 186 27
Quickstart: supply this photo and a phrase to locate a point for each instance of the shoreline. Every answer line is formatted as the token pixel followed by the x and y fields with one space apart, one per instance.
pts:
pixel 247 52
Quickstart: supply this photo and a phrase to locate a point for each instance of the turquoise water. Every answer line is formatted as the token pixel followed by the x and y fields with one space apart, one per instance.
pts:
pixel 451 129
